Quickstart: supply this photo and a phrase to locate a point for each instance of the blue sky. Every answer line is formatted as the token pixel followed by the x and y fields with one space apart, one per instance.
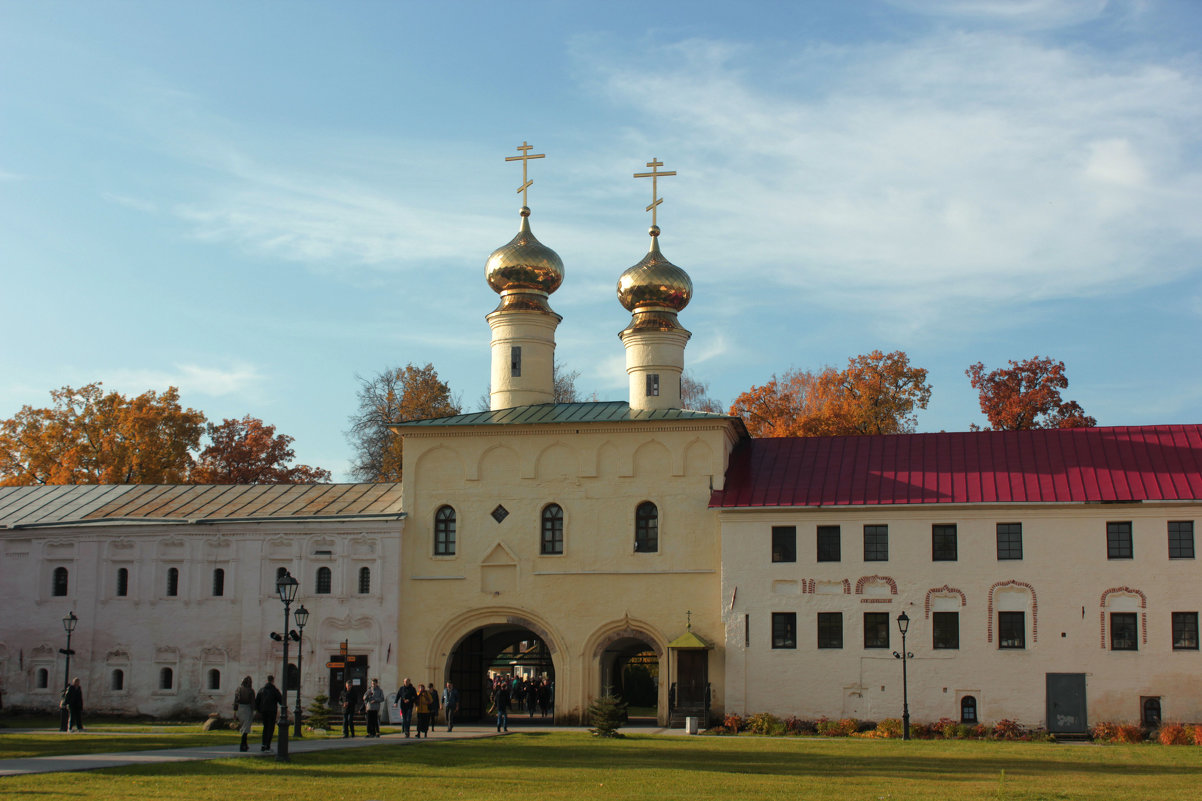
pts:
pixel 256 201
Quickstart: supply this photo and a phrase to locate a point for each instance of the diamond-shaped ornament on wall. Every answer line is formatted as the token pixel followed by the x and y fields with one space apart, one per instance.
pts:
pixel 500 513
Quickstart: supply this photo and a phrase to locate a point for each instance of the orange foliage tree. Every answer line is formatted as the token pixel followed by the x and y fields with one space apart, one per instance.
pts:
pixel 92 437
pixel 248 452
pixel 1027 395
pixel 878 393
pixel 393 396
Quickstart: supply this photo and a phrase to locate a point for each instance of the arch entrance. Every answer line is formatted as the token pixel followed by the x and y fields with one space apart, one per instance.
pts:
pixel 510 651
pixel 630 669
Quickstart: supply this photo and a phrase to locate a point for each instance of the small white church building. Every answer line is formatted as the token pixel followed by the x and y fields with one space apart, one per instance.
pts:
pixel 1046 576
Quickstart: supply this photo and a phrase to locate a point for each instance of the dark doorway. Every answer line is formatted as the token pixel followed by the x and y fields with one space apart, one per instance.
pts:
pixel 506 650
pixel 689 695
pixel 342 668
pixel 630 670
pixel 1066 703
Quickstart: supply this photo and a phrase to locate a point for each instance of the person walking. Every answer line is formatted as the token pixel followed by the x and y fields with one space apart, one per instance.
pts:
pixel 423 710
pixel 349 705
pixel 500 697
pixel 450 702
pixel 244 707
pixel 73 697
pixel 433 705
pixel 268 703
pixel 371 702
pixel 405 698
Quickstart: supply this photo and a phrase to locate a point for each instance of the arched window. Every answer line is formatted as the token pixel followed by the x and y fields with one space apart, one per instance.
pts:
pixel 60 581
pixel 166 678
pixel 444 532
pixel 43 680
pixel 117 682
pixel 173 581
pixel 552 539
pixel 646 528
pixel 293 679
pixel 968 709
pixel 324 580
pixel 364 580
pixel 214 679
pixel 218 582
pixel 122 582
pixel 1151 711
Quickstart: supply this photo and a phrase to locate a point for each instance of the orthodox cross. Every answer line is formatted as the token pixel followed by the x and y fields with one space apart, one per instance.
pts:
pixel 688 615
pixel 525 159
pixel 654 175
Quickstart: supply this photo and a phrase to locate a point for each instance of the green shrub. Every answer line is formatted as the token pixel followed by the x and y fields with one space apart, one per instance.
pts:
pixel 766 724
pixel 844 727
pixel 319 712
pixel 607 714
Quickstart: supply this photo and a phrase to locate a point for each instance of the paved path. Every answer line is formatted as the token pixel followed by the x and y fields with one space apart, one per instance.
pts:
pixel 296 748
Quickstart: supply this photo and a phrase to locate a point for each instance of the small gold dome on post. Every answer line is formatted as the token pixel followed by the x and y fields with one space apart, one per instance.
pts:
pixel 524 271
pixel 655 288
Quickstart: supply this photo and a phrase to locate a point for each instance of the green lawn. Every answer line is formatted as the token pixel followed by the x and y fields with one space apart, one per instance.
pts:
pixel 576 767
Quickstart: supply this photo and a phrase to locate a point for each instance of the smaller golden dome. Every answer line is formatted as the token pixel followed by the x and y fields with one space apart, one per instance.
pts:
pixel 655 281
pixel 524 264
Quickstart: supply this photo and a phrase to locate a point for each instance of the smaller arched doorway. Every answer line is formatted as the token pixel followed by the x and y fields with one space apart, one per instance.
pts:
pixel 629 669
pixel 509 651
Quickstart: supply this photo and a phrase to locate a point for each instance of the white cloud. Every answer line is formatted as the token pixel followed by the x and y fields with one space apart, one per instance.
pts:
pixel 191 379
pixel 952 173
pixel 1029 14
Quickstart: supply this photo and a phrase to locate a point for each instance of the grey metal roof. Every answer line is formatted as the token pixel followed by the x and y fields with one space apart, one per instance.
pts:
pixel 77 504
pixel 594 412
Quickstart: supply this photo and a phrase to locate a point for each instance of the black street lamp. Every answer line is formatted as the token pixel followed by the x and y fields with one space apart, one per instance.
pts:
pixel 287 586
pixel 903 625
pixel 69 623
pixel 302 619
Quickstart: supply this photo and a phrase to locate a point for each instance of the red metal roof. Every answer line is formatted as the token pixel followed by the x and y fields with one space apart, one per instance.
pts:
pixel 1078 465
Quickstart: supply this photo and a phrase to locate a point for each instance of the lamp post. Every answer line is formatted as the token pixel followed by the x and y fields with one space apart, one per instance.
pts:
pixel 302 618
pixel 903 625
pixel 69 623
pixel 287 586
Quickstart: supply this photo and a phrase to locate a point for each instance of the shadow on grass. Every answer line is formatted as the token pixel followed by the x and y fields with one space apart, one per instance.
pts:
pixel 544 753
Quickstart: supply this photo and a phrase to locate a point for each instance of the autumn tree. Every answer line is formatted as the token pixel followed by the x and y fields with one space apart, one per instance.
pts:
pixel 247 451
pixel 395 395
pixel 695 395
pixel 1027 395
pixel 786 406
pixel 91 437
pixel 878 393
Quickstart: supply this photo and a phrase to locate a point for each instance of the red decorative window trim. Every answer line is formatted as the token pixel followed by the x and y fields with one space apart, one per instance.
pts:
pixel 944 590
pixel 865 579
pixel 1034 608
pixel 1143 616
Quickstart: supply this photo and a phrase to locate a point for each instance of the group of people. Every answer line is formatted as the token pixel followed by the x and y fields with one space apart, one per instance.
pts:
pixel 267 702
pixel 72 701
pixel 423 700
pixel 516 692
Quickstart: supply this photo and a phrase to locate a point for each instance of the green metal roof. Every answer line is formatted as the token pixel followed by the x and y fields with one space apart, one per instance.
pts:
pixel 689 640
pixel 595 412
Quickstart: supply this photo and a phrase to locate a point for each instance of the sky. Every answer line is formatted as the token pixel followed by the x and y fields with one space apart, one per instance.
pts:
pixel 262 202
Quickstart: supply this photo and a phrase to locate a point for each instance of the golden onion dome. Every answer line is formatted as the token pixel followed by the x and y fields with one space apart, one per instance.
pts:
pixel 524 265
pixel 655 282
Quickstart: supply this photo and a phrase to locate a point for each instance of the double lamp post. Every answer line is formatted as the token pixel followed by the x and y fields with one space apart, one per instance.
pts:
pixel 287 585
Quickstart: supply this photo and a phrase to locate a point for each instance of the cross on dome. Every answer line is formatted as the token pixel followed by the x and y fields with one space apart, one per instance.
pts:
pixel 525 159
pixel 654 175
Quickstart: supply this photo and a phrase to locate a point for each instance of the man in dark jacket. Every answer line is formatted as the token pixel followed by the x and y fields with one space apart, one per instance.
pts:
pixel 406 697
pixel 73 698
pixel 268 703
pixel 350 702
